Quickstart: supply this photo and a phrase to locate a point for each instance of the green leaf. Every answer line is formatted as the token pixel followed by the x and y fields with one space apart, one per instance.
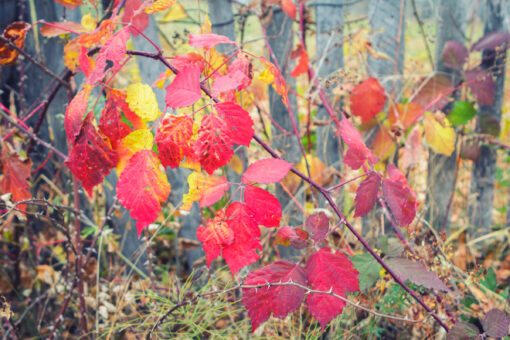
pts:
pixel 461 113
pixel 368 269
pixel 490 280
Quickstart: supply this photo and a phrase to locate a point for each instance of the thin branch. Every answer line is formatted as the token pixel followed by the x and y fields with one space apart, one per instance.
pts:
pixel 43 67
pixel 34 136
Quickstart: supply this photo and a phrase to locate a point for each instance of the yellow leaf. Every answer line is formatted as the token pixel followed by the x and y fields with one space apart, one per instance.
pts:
pixel 439 134
pixel 266 76
pixel 137 140
pixel 71 52
pixel 142 101
pixel 88 22
pixel 175 13
pixel 206 27
pixel 159 5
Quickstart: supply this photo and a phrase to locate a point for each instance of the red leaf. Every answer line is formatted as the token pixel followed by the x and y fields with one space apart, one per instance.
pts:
pixel 366 194
pixel 318 226
pixel 266 208
pixel 142 187
pixel 91 157
pixel 239 122
pixel 327 271
pixel 279 300
pixel 85 62
pixel 415 272
pixel 75 113
pixel 358 152
pixel 183 60
pixel 173 139
pixel 302 66
pixel 455 54
pixel 367 99
pixel 242 252
pixel 185 89
pixel 214 144
pixel 285 235
pixel 265 171
pixel 110 56
pixel 400 198
pixel 15 175
pixel 289 8
pixel 215 237
pixel 208 40
pixel 481 84
pixel 110 123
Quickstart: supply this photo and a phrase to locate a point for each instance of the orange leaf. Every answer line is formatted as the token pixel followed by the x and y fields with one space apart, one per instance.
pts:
pixel 70 4
pixel 15 33
pixel 15 175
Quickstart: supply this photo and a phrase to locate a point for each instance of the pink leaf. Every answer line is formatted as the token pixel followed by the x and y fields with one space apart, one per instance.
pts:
pixel 215 236
pixel 266 208
pixel 279 300
pixel 185 89
pixel 265 171
pixel 239 122
pixel 366 194
pixel 327 271
pixel 491 41
pixel 231 81
pixel 208 40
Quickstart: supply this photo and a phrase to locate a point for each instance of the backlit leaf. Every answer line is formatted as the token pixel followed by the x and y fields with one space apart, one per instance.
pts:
pixel 400 198
pixel 405 114
pixel 329 271
pixel 214 145
pixel 265 171
pixel 91 157
pixel 215 237
pixel 278 300
pixel 266 208
pixel 159 5
pixel 54 29
pixel 110 123
pixel 289 8
pixel 70 4
pixel 174 140
pixel 142 187
pixel 110 56
pixel 75 113
pixel 367 99
pixel 302 65
pixel 16 173
pixel 439 134
pixel 185 88
pixel 175 13
pixel 142 101
pixel 366 194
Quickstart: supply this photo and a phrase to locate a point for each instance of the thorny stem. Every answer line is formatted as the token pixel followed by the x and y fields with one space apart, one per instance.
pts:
pixel 324 192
